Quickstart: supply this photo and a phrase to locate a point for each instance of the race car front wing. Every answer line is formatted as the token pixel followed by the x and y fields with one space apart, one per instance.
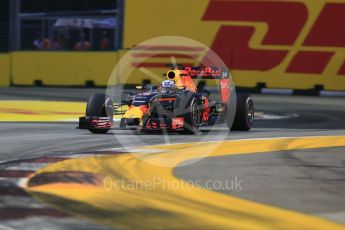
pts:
pixel 95 123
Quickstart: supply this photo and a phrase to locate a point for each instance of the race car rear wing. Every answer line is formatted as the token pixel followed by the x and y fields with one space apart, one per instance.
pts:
pixel 207 72
pixel 201 72
pixel 214 73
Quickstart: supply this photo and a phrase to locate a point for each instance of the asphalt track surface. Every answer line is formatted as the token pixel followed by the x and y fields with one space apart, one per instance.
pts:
pixel 308 181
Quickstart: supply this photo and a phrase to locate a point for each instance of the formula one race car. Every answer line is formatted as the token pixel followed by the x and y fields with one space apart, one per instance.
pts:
pixel 176 105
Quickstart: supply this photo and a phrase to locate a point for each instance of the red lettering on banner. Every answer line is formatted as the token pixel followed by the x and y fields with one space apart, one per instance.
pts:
pixel 328 29
pixel 285 19
pixel 232 41
pixel 309 62
pixel 342 70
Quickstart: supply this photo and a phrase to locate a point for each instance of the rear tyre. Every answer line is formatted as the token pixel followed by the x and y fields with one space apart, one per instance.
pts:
pixel 99 105
pixel 244 117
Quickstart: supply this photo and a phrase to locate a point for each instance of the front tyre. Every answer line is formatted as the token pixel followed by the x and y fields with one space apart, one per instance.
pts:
pixel 191 119
pixel 187 107
pixel 98 131
pixel 99 105
pixel 244 117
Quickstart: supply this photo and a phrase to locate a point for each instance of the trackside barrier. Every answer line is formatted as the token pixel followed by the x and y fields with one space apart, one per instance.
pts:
pixel 62 68
pixel 290 44
pixel 4 69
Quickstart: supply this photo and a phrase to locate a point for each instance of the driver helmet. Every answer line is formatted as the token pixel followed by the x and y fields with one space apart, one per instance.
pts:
pixel 167 85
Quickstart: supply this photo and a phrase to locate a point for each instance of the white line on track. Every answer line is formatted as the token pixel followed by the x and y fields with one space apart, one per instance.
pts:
pixel 19 202
pixel 27 166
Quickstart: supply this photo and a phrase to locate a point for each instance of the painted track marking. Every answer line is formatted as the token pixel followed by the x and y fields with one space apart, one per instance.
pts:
pixel 164 207
pixel 41 111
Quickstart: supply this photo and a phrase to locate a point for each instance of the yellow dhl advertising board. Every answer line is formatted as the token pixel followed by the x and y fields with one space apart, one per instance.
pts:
pixel 62 68
pixel 285 44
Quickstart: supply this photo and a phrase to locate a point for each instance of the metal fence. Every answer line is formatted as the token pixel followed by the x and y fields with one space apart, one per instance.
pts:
pixel 4 25
pixel 81 25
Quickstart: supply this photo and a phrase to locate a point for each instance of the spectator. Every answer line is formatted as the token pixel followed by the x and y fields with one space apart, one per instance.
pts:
pixel 59 43
pixel 46 44
pixel 38 43
pixel 83 46
pixel 105 41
